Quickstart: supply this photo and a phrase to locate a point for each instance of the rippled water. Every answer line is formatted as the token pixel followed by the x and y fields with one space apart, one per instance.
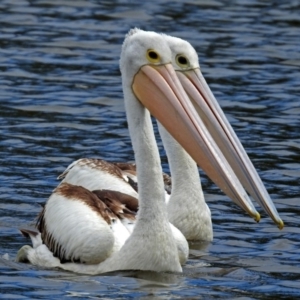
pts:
pixel 61 99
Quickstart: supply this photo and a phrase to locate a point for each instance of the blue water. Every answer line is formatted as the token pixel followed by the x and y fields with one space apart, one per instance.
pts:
pixel 61 99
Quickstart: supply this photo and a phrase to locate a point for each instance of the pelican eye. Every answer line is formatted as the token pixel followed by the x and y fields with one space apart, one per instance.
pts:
pixel 182 61
pixel 153 56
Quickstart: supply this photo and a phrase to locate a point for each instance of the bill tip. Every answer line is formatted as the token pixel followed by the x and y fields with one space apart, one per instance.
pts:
pixel 257 217
pixel 280 224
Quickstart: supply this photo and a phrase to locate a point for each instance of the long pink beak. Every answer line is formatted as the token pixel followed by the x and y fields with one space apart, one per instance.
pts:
pixel 217 124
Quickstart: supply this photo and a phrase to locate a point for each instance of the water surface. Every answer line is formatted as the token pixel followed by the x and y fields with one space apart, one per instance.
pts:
pixel 61 99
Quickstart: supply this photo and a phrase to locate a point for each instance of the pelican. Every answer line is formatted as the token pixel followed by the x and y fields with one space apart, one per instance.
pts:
pixel 186 64
pixel 73 216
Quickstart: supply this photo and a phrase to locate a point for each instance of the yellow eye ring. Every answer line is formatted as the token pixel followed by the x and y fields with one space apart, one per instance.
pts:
pixel 182 61
pixel 153 56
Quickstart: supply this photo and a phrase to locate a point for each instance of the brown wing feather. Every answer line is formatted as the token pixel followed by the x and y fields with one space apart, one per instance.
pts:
pixel 95 163
pixel 76 193
pixel 130 169
pixel 28 232
pixel 123 205
pixel 125 166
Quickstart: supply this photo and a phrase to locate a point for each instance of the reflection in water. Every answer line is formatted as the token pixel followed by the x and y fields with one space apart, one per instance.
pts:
pixel 153 278
pixel 61 99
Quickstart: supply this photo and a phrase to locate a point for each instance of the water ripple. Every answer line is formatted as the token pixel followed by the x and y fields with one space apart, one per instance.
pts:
pixel 61 99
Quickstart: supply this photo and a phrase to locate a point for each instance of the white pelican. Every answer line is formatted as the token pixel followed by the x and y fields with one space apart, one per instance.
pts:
pixel 185 62
pixel 72 215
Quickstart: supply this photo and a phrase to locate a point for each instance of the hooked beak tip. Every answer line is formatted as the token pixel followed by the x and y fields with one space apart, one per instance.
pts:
pixel 257 217
pixel 280 224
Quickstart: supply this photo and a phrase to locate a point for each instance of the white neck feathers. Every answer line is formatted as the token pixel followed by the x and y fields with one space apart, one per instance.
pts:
pixel 151 245
pixel 187 209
